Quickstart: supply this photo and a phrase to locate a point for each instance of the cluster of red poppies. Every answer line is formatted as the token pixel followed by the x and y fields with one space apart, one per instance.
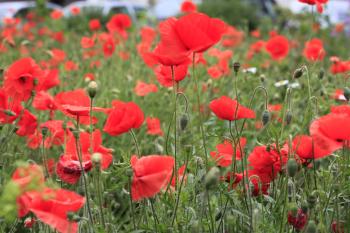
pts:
pixel 28 84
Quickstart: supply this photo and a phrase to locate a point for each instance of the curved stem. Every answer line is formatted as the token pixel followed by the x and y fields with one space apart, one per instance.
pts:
pixel 136 143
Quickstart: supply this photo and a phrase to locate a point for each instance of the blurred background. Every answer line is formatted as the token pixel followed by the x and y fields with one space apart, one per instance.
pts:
pixel 241 13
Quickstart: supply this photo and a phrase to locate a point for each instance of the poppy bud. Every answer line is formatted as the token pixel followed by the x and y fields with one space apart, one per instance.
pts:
pixel 96 158
pixel 44 131
pixel 32 93
pixel 212 177
pixel 262 78
pixel 304 207
pixel 293 209
pixel 129 172
pixel 298 73
pixel 292 167
pixel 312 199
pixel 35 82
pixel 347 93
pixel 321 74
pixel 266 117
pixel 236 67
pixel 92 89
pixel 289 117
pixel 218 216
pixel 183 122
pixel 76 133
pixel 311 227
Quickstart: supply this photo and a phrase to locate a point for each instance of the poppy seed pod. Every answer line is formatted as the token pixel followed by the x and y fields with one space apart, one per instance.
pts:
pixel 236 67
pixel 183 122
pixel 289 117
pixel 298 73
pixel 347 93
pixel 212 177
pixel 266 117
pixel 92 89
pixel 311 227
pixel 292 167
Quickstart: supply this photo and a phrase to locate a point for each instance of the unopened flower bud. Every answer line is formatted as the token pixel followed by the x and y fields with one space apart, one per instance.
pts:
pixel 304 207
pixel 129 172
pixel 92 89
pixel 236 67
pixel 289 117
pixel 266 117
pixel 183 122
pixel 262 78
pixel 292 167
pixel 44 131
pixel 96 158
pixel 212 177
pixel 293 209
pixel 298 73
pixel 312 199
pixel 311 227
pixel 321 74
pixel 347 93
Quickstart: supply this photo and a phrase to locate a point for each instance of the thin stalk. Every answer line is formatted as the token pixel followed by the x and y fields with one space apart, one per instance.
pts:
pixel 136 143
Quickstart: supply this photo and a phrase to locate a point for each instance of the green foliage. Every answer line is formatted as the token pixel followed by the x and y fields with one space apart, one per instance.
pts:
pixel 234 12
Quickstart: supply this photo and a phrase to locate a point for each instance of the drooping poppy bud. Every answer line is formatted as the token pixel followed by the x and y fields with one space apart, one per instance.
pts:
pixel 298 73
pixel 292 167
pixel 236 67
pixel 347 93
pixel 266 117
pixel 212 177
pixel 311 227
pixel 289 117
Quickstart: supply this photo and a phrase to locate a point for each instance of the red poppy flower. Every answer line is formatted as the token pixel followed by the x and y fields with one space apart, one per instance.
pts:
pixel 307 147
pixel 198 32
pixel 68 167
pixel 20 77
pixel 148 35
pixel 75 10
pixel 332 128
pixel 49 80
pixel 267 161
pixel 9 108
pixel 51 206
pixel 27 124
pixel 260 181
pixel 76 103
pixel 153 126
pixel 87 42
pixel 188 6
pixel 225 109
pixel 123 117
pixel 56 14
pixel 151 174
pixel 118 24
pixel 170 50
pixel 277 47
pixel 319 3
pixel 57 133
pixel 225 152
pixel 108 47
pixel 34 140
pixel 143 89
pixel 70 66
pixel 44 101
pixel 232 37
pixel 164 74
pixel 94 24
pixel 314 50
pixel 299 220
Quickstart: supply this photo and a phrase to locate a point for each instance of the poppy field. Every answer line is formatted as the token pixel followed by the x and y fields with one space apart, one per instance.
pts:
pixel 187 125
